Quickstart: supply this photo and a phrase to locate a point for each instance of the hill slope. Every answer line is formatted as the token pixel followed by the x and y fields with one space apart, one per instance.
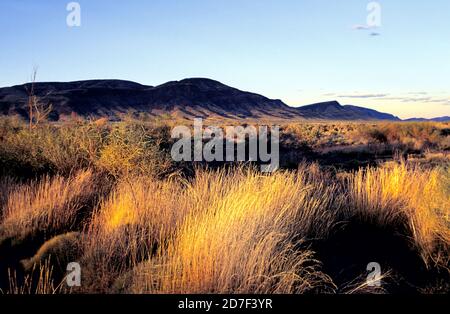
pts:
pixel 437 119
pixel 189 97
pixel 195 97
pixel 334 110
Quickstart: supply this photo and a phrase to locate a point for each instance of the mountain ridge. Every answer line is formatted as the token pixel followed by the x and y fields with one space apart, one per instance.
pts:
pixel 435 119
pixel 191 97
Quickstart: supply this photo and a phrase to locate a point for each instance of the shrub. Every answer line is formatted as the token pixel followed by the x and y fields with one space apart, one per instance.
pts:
pixel 131 150
pixel 50 148
pixel 122 148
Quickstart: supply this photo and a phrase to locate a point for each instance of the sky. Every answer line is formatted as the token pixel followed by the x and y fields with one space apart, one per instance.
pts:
pixel 394 57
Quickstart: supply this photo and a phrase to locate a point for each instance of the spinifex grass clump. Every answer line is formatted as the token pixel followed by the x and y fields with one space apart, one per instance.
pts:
pixel 400 194
pixel 48 205
pixel 129 224
pixel 246 239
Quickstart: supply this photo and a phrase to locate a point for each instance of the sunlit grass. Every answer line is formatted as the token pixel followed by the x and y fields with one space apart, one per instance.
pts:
pixel 146 227
pixel 246 239
pixel 401 193
pixel 49 204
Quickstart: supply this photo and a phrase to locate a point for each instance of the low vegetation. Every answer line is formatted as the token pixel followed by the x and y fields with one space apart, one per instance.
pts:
pixel 409 136
pixel 108 196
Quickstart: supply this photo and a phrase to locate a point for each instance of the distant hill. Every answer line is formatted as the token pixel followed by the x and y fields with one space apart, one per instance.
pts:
pixel 438 119
pixel 194 97
pixel 334 110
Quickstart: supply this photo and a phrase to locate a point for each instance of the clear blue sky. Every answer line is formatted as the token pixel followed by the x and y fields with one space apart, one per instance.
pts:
pixel 300 51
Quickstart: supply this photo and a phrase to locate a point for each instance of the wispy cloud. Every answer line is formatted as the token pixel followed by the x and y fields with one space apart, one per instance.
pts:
pixel 425 100
pixel 411 97
pixel 362 27
pixel 417 93
pixel 364 96
pixel 444 101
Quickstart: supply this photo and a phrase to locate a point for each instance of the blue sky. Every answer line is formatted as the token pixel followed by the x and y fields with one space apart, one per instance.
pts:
pixel 300 51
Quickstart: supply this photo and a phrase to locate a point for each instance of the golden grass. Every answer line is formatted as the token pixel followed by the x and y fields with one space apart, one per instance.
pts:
pixel 401 193
pixel 238 231
pixel 134 218
pixel 232 230
pixel 48 204
pixel 38 281
pixel 139 207
pixel 247 239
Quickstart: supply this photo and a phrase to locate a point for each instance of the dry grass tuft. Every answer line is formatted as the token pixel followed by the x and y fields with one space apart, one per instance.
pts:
pixel 399 193
pixel 133 220
pixel 49 204
pixel 247 239
pixel 39 281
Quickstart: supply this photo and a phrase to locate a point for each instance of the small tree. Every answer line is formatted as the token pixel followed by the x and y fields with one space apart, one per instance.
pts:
pixel 37 110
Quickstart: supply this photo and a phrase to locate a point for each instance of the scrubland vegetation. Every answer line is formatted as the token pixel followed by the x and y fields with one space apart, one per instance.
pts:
pixel 413 136
pixel 108 196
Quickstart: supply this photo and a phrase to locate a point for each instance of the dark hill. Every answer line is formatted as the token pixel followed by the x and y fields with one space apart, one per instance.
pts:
pixel 194 97
pixel 437 119
pixel 334 110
